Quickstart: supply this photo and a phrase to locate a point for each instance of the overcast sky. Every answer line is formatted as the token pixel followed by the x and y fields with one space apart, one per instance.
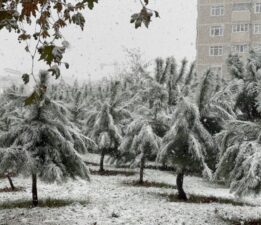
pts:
pixel 108 32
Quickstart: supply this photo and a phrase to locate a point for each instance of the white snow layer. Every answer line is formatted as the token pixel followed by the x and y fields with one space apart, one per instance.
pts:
pixel 112 202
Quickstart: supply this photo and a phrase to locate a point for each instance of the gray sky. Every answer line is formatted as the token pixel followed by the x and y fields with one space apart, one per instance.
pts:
pixel 108 31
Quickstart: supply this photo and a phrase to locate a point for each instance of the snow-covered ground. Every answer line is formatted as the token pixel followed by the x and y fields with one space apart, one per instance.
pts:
pixel 113 202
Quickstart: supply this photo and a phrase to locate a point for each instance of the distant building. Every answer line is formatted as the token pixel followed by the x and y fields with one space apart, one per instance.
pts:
pixel 223 27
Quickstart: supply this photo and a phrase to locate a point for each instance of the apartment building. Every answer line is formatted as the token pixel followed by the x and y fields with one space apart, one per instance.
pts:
pixel 223 27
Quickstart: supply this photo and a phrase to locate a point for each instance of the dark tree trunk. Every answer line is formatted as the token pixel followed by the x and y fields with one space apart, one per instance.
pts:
pixel 34 190
pixel 101 161
pixel 11 182
pixel 181 193
pixel 142 165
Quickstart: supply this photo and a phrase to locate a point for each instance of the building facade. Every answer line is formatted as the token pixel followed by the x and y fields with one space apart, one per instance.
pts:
pixel 224 27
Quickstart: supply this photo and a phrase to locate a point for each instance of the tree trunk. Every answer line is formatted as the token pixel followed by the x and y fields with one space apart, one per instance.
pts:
pixel 142 165
pixel 34 190
pixel 101 161
pixel 11 182
pixel 181 193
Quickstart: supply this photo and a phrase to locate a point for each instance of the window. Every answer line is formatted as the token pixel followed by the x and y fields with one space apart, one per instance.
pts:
pixel 257 29
pixel 258 7
pixel 241 6
pixel 215 50
pixel 217 10
pixel 242 48
pixel 216 31
pixel 240 28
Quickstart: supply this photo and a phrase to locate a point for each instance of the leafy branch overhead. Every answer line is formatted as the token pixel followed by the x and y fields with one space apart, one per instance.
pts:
pixel 144 16
pixel 48 18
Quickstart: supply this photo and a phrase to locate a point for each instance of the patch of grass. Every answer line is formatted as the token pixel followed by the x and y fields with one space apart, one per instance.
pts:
pixel 204 200
pixel 113 173
pixel 91 163
pixel 250 222
pixel 8 189
pixel 148 184
pixel 47 203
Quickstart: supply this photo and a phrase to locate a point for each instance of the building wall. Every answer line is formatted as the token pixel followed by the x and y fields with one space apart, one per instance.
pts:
pixel 235 12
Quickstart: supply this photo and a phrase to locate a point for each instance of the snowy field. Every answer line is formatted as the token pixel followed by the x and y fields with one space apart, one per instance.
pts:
pixel 111 201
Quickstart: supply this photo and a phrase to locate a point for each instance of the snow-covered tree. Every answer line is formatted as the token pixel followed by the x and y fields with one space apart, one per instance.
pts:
pixel 240 157
pixel 106 120
pixel 106 134
pixel 217 102
pixel 223 107
pixel 11 109
pixel 142 138
pixel 90 117
pixel 43 144
pixel 224 101
pixel 207 88
pixel 11 114
pixel 235 66
pixel 239 142
pixel 187 145
pixel 77 108
pixel 247 98
pixel 177 82
pixel 140 144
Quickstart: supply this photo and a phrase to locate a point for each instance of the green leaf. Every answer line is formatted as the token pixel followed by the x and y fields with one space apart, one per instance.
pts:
pixel 143 17
pixel 26 78
pixel 134 17
pixel 8 20
pixel 138 23
pixel 32 99
pixel 5 15
pixel 79 20
pixel 146 16
pixel 90 3
pixel 46 53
